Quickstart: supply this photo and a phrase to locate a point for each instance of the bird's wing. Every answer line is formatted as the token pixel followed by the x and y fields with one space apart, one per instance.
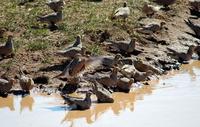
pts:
pixel 92 63
pixel 194 27
pixel 3 81
pixel 77 68
pixel 71 99
pixel 68 51
pixel 172 50
pixel 49 17
pixel 122 11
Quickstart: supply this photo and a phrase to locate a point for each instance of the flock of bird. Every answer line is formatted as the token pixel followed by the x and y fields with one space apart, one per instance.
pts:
pixel 105 74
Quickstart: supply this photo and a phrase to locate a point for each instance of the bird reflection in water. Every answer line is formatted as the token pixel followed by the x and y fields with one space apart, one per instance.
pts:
pixel 122 102
pixel 190 69
pixel 73 115
pixel 7 102
pixel 26 102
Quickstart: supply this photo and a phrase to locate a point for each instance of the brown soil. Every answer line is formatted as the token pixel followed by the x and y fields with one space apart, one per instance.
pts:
pixel 174 35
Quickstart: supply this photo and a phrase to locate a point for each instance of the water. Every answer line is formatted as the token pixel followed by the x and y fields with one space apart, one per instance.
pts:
pixel 173 101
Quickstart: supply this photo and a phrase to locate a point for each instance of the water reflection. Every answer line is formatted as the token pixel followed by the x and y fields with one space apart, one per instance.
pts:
pixel 26 102
pixel 127 101
pixel 190 69
pixel 73 115
pixel 164 97
pixel 122 102
pixel 7 102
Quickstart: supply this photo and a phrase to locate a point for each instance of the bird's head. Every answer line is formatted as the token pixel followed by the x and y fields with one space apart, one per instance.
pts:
pixel 12 81
pixel 125 4
pixel 10 37
pixel 162 24
pixel 78 38
pixel 118 57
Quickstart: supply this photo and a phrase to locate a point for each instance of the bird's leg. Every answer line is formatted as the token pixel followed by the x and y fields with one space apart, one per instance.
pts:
pixel 124 20
pixel 53 26
pixel 166 8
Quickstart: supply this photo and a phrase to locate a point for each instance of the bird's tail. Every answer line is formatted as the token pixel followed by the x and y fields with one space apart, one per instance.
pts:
pixel 39 18
pixel 171 50
pixel 58 76
pixel 189 23
pixel 66 98
pixel 113 18
pixel 59 53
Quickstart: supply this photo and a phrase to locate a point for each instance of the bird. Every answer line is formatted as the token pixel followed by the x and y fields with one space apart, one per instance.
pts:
pixel 122 12
pixel 103 95
pixel 165 3
pixel 72 50
pixel 151 28
pixel 25 82
pixel 128 70
pixel 124 47
pixel 51 19
pixel 194 27
pixel 150 10
pixel 6 86
pixel 109 81
pixel 78 66
pixel 110 61
pixel 197 50
pixel 142 76
pixel 124 84
pixel 195 5
pixel 79 103
pixel 2 31
pixel 56 5
pixel 77 43
pixel 194 12
pixel 68 71
pixel 8 48
pixel 144 67
pixel 183 57
pixel 23 2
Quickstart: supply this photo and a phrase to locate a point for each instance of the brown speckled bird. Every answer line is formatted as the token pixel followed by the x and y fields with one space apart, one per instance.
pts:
pixel 80 65
pixel 8 48
pixel 183 57
pixel 2 31
pixel 124 84
pixel 150 10
pixel 144 67
pixel 151 28
pixel 124 47
pixel 6 86
pixel 109 81
pixel 103 95
pixel 25 82
pixel 78 103
pixel 142 76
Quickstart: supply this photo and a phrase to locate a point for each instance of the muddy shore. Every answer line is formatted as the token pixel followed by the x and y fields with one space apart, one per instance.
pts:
pixel 175 35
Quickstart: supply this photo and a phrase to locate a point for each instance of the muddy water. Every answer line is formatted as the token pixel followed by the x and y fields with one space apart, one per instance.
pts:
pixel 173 101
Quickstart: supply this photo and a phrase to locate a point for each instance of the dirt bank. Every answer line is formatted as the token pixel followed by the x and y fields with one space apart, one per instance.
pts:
pixel 42 62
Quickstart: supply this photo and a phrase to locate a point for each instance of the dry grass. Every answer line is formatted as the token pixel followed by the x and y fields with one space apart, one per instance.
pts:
pixel 80 17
